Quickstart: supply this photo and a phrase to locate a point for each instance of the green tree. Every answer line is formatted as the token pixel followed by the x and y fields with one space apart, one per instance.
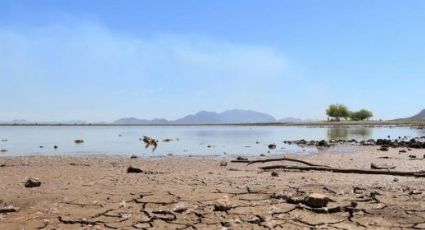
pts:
pixel 338 111
pixel 361 115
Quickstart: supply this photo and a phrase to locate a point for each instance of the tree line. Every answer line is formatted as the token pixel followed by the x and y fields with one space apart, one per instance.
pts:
pixel 338 111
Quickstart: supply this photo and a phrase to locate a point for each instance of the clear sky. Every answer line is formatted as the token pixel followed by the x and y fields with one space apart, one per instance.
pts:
pixel 102 60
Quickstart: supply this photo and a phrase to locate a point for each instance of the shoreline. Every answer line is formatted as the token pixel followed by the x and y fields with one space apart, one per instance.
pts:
pixel 174 192
pixel 412 123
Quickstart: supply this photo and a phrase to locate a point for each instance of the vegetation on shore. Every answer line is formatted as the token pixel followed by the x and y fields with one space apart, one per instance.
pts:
pixel 338 111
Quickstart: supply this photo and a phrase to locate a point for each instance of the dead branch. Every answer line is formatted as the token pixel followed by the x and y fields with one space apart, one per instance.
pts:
pixel 346 170
pixel 277 159
pixel 8 209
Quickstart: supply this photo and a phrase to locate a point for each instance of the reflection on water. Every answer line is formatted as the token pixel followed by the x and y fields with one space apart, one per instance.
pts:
pixel 335 133
pixel 251 140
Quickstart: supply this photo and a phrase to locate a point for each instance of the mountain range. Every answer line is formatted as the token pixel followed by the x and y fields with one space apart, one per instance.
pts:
pixel 235 116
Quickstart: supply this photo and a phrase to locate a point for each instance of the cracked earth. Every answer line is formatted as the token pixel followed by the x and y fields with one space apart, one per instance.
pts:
pixel 96 192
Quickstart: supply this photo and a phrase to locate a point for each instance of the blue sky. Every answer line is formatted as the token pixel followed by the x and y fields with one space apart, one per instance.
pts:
pixel 102 60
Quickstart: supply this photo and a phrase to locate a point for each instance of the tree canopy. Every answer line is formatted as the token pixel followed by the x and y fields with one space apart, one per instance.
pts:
pixel 361 115
pixel 338 111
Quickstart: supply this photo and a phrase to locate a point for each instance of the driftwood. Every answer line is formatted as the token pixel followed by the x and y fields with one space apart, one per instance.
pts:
pixel 278 159
pixel 8 209
pixel 346 170
pixel 150 141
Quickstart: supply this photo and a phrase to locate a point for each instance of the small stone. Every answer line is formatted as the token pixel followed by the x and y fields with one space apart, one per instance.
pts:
pixel 3 150
pixel 395 179
pixel 170 154
pixel 32 182
pixel 221 206
pixel 412 156
pixel 383 148
pixel 402 151
pixel 133 157
pixel 262 155
pixel 132 169
pixel 316 200
pixel 55 147
pixel 275 174
pixel 272 146
pixel 240 158
pixel 79 141
pixel 223 163
pixel 179 208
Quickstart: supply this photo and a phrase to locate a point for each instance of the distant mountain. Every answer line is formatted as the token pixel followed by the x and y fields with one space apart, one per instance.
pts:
pixel 136 121
pixel 419 116
pixel 235 116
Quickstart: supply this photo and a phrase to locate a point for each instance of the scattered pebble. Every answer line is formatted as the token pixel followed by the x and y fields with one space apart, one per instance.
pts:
pixel 79 141
pixel 32 182
pixel 223 163
pixel 241 158
pixel 272 146
pixel 316 200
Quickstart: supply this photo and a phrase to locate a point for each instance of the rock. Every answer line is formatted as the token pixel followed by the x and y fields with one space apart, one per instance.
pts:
pixel 3 150
pixel 222 206
pixel 240 158
pixel 180 208
pixel 316 200
pixel 262 155
pixel 412 156
pixel 275 174
pixel 134 157
pixel 383 148
pixel 167 140
pixel 223 163
pixel 55 147
pixel 79 141
pixel 170 154
pixel 402 151
pixel 132 169
pixel 32 182
pixel 395 179
pixel 323 143
pixel 272 146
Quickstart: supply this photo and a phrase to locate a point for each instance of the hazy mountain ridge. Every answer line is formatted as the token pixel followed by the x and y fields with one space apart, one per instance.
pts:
pixel 234 116
pixel 419 116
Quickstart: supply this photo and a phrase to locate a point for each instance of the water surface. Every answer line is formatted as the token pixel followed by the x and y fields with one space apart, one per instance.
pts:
pixel 26 140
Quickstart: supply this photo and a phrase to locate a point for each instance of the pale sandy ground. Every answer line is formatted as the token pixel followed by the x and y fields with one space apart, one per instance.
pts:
pixel 181 192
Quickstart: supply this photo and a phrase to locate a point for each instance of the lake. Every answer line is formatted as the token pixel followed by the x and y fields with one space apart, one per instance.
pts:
pixel 187 140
